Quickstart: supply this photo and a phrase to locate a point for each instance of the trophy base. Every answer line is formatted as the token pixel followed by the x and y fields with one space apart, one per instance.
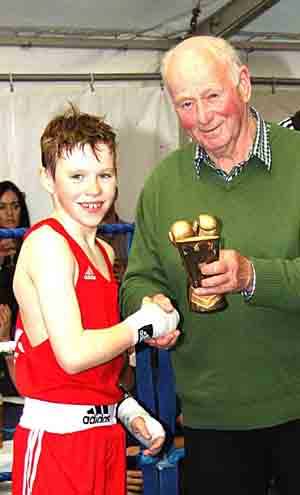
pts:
pixel 206 304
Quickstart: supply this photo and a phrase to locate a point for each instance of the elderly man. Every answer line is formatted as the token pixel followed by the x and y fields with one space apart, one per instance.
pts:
pixel 237 371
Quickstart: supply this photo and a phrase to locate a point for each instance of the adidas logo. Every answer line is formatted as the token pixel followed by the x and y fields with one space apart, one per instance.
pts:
pixel 97 414
pixel 146 332
pixel 89 274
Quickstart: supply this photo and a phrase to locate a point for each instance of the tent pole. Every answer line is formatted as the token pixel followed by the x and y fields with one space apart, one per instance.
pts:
pixel 127 77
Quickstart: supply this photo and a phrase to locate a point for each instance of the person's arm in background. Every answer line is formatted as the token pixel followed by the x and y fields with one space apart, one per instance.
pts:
pixel 5 322
pixel 134 475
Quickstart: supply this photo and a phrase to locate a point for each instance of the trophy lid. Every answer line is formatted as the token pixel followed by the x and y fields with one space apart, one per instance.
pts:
pixel 197 238
pixel 204 228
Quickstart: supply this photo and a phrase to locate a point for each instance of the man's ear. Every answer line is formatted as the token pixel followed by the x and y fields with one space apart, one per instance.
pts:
pixel 47 180
pixel 244 87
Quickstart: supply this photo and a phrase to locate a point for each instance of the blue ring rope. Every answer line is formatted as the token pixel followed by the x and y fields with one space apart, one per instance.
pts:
pixel 5 476
pixel 169 460
pixel 113 228
pixel 12 233
pixel 106 228
pixel 7 430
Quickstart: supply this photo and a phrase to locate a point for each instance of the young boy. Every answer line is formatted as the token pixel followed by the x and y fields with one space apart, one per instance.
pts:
pixel 69 341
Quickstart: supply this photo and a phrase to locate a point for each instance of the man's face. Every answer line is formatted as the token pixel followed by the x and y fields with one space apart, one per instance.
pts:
pixel 84 186
pixel 211 108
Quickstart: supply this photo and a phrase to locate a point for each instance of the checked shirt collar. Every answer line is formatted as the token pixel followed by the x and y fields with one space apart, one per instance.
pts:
pixel 261 149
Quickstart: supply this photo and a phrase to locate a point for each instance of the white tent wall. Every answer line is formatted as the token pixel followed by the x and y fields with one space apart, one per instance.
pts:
pixel 68 60
pixel 276 104
pixel 275 101
pixel 274 64
pixel 140 112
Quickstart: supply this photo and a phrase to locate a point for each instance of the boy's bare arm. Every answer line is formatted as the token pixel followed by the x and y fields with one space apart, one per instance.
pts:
pixel 50 274
pixel 45 279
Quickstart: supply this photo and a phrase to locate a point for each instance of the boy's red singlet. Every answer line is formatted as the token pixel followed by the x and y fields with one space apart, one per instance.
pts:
pixel 38 374
pixel 88 462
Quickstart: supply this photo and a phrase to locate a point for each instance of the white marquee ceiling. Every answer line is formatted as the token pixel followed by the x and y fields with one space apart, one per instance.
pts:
pixel 136 20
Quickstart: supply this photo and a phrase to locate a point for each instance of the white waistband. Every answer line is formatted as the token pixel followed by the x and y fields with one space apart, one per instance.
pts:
pixel 65 418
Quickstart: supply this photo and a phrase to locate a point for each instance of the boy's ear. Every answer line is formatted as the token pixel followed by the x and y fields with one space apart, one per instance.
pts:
pixel 46 180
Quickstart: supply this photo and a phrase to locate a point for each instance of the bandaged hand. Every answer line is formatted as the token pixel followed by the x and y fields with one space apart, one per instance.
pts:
pixel 141 425
pixel 151 321
pixel 7 348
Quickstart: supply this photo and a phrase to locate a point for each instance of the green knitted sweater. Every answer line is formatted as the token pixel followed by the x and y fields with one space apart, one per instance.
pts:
pixel 239 368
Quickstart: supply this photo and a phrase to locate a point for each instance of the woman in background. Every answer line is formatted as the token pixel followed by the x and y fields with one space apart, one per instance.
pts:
pixel 13 214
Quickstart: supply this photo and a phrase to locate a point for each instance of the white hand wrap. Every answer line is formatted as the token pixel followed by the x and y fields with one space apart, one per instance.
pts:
pixel 151 321
pixel 7 348
pixel 130 409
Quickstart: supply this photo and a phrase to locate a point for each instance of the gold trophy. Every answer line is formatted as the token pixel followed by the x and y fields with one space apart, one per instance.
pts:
pixel 198 242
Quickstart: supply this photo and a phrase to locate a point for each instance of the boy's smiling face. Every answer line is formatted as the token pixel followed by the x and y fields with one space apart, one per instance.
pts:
pixel 84 186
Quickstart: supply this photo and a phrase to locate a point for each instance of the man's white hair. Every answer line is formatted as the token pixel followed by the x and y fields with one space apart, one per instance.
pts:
pixel 221 50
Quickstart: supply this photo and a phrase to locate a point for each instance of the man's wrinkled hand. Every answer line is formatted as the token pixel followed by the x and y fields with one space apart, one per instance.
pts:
pixel 166 342
pixel 231 273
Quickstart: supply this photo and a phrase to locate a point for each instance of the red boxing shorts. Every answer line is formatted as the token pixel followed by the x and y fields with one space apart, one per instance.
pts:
pixel 87 462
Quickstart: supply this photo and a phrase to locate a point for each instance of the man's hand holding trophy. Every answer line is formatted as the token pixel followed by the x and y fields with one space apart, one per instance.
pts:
pixel 198 242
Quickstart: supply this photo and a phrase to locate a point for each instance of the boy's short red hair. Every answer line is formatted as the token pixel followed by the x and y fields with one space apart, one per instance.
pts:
pixel 72 129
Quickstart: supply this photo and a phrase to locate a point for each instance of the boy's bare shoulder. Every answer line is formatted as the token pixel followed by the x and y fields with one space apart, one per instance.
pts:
pixel 42 236
pixel 44 243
